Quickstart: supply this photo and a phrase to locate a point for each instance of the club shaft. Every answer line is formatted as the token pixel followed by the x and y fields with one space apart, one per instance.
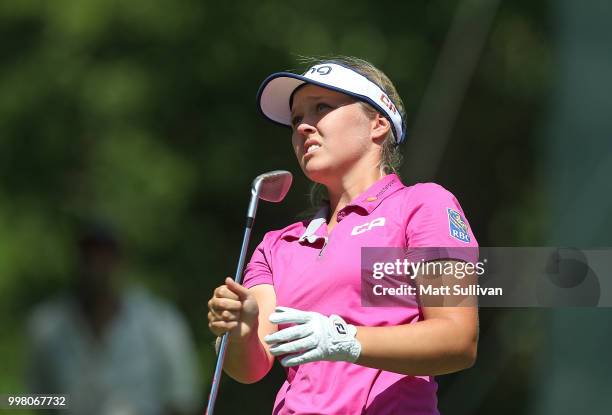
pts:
pixel 238 278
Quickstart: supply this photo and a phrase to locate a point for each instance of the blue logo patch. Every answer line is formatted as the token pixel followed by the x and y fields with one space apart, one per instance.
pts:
pixel 457 226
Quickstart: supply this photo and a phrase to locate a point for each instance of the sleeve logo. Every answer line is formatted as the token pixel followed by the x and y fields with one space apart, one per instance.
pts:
pixel 457 227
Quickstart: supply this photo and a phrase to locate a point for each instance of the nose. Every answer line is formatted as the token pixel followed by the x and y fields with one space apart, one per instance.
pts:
pixel 305 129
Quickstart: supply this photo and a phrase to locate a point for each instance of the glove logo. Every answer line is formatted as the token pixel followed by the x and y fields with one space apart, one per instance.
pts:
pixel 340 328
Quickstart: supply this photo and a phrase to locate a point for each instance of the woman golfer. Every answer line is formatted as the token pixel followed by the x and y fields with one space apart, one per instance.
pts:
pixel 301 300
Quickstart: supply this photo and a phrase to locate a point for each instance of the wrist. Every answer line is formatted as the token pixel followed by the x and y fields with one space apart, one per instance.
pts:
pixel 344 339
pixel 235 337
pixel 353 349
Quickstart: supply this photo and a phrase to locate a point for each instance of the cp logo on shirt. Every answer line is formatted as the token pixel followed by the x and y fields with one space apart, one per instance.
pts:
pixel 367 226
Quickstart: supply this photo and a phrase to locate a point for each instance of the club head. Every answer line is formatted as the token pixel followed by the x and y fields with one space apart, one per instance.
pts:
pixel 272 186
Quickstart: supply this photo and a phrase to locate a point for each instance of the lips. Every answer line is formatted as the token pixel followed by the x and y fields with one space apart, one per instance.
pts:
pixel 311 146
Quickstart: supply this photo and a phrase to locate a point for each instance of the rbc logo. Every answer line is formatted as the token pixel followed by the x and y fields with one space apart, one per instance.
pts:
pixel 457 226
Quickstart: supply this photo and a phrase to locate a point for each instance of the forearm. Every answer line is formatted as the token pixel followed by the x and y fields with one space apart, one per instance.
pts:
pixel 247 361
pixel 430 347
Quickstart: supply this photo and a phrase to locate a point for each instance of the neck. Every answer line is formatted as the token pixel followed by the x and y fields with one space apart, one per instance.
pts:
pixel 348 187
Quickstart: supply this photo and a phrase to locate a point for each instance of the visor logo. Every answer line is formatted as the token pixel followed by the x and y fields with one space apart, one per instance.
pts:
pixel 320 70
pixel 387 103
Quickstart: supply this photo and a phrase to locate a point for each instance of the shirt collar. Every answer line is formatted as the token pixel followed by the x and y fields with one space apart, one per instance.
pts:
pixel 367 201
pixel 310 232
pixel 373 196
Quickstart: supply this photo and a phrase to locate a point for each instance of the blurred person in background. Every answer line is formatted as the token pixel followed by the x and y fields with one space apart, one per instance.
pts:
pixel 112 349
pixel 301 297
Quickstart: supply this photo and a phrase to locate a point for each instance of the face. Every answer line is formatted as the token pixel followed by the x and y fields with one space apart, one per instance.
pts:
pixel 332 133
pixel 98 266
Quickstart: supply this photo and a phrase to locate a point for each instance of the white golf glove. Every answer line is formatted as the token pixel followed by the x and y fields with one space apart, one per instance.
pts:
pixel 315 337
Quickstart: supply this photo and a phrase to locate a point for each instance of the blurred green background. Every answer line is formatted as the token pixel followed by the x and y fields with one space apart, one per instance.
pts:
pixel 144 113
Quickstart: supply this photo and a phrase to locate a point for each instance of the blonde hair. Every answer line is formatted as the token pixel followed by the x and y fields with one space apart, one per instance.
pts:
pixel 391 158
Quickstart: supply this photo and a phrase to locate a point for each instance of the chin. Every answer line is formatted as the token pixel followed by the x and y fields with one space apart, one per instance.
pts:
pixel 317 174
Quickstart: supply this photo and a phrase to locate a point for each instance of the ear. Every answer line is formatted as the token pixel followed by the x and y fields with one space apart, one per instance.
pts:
pixel 380 128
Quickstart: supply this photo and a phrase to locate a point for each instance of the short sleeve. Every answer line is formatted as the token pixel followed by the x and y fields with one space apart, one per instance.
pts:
pixel 258 270
pixel 435 219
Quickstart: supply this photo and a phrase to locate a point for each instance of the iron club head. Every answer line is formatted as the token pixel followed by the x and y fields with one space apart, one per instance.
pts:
pixel 272 186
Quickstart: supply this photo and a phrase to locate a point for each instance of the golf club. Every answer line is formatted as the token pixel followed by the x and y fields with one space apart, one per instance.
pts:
pixel 271 187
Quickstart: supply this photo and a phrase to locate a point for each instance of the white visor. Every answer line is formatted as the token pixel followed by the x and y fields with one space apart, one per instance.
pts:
pixel 276 90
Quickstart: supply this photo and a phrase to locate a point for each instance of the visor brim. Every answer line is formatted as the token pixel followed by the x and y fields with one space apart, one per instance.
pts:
pixel 274 95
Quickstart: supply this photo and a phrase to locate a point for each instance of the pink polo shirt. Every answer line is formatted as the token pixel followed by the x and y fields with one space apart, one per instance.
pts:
pixel 313 271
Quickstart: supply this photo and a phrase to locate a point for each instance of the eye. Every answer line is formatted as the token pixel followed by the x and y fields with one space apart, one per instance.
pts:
pixel 296 120
pixel 321 106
